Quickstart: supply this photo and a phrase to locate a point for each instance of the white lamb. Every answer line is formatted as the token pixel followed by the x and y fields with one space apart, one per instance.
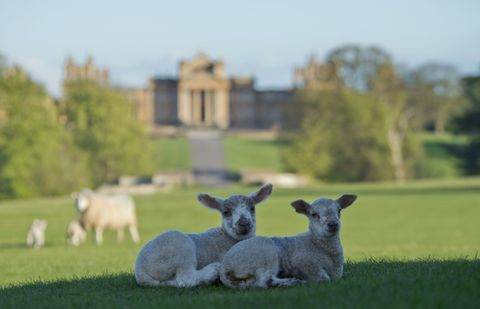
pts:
pixel 36 234
pixel 186 260
pixel 99 212
pixel 315 256
pixel 75 233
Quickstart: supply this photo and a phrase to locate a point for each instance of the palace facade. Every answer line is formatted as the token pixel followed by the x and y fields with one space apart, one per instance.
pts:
pixel 203 96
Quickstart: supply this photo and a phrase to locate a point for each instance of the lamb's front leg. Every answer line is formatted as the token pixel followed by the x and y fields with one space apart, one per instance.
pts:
pixel 192 277
pixel 319 276
pixel 98 235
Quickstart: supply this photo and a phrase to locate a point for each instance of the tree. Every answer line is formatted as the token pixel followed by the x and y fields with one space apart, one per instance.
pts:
pixel 341 137
pixel 37 157
pixel 399 117
pixel 103 124
pixel 436 88
pixel 469 123
pixel 357 65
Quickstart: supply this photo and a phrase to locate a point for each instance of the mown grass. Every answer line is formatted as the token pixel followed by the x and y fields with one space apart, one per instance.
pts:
pixel 171 154
pixel 251 154
pixel 407 245
pixel 442 154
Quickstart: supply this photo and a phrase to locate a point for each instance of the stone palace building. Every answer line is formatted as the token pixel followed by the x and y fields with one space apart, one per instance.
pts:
pixel 203 96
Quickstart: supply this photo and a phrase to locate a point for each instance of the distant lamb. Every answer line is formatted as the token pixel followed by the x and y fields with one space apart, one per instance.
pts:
pixel 99 212
pixel 36 234
pixel 75 233
pixel 186 260
pixel 315 256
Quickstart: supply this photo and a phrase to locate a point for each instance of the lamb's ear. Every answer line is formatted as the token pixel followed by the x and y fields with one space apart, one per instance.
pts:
pixel 346 200
pixel 210 201
pixel 262 194
pixel 300 206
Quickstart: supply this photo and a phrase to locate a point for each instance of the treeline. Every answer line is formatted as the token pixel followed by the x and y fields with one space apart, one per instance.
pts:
pixel 363 129
pixel 47 148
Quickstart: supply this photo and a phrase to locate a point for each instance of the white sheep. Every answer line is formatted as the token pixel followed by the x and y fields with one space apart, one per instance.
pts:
pixel 75 233
pixel 315 256
pixel 186 260
pixel 99 212
pixel 36 233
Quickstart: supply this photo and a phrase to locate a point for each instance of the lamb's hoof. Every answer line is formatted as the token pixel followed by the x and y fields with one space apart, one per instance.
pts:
pixel 212 272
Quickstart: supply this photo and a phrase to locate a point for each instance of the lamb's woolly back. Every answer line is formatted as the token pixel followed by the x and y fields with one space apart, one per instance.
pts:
pixel 99 211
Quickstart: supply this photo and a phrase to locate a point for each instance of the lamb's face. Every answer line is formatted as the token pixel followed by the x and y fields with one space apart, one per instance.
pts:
pixel 81 202
pixel 324 217
pixel 39 225
pixel 324 214
pixel 238 216
pixel 238 211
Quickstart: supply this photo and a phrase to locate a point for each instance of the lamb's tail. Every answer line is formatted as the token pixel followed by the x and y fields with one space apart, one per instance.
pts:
pixel 233 280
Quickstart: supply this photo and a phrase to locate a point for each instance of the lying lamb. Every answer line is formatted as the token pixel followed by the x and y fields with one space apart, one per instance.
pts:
pixel 99 212
pixel 36 234
pixel 186 260
pixel 75 233
pixel 274 262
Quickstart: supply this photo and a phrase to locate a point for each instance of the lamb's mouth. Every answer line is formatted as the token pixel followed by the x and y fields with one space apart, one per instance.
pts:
pixel 333 231
pixel 243 230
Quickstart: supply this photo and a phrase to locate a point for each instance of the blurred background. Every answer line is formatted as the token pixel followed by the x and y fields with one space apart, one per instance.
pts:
pixel 162 100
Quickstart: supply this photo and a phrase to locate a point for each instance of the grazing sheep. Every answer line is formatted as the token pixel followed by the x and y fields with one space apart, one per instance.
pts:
pixel 36 234
pixel 186 260
pixel 75 233
pixel 99 212
pixel 274 262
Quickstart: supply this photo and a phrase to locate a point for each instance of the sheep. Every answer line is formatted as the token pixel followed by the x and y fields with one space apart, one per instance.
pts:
pixel 99 212
pixel 315 256
pixel 187 260
pixel 36 234
pixel 75 233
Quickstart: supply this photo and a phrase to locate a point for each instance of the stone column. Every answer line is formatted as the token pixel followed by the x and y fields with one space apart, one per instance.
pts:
pixel 222 109
pixel 208 108
pixel 184 107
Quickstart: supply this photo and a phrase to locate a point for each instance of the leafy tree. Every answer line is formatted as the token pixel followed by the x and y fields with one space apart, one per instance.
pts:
pixel 103 124
pixel 341 137
pixel 435 88
pixel 358 65
pixel 399 118
pixel 469 123
pixel 37 157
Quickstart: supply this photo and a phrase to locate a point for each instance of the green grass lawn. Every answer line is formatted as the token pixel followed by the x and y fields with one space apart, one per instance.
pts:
pixel 251 154
pixel 415 244
pixel 442 154
pixel 171 154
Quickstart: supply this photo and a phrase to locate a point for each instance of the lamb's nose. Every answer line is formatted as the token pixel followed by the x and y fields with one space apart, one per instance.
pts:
pixel 243 222
pixel 333 225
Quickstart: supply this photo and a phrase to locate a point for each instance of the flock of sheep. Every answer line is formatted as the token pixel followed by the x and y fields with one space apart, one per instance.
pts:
pixel 231 252
pixel 97 212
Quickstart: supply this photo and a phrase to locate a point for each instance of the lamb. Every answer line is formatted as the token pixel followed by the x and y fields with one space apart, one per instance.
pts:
pixel 36 234
pixel 315 256
pixel 75 233
pixel 186 260
pixel 99 212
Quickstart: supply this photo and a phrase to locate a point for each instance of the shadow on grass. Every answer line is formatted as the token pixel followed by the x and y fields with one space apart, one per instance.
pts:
pixel 425 283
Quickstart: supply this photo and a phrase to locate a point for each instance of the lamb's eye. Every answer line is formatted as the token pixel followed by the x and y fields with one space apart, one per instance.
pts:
pixel 339 211
pixel 252 208
pixel 226 213
pixel 315 216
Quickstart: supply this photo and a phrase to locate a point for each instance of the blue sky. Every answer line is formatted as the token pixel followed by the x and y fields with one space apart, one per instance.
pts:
pixel 265 38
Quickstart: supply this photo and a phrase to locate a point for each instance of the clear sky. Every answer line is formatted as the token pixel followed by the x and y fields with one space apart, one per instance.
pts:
pixel 265 38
